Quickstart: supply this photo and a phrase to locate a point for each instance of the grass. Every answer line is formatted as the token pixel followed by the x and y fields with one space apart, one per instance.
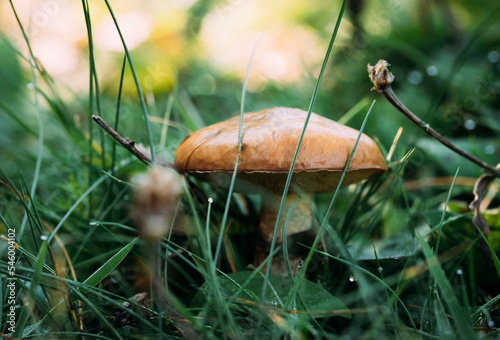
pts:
pixel 385 261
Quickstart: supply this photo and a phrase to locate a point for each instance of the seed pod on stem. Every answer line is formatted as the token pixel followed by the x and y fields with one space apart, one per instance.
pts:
pixel 156 197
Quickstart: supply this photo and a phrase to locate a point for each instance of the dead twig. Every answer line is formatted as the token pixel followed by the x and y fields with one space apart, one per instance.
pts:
pixel 127 144
pixel 382 79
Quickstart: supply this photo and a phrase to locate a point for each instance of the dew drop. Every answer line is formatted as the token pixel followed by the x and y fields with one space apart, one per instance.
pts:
pixel 300 264
pixel 274 303
pixel 459 271
pixel 380 269
pixel 210 200
pixel 93 223
pixel 415 77
pixel 470 124
pixel 493 57
pixel 352 278
pixel 30 85
pixel 43 237
pixel 489 149
pixel 491 324
pixel 432 71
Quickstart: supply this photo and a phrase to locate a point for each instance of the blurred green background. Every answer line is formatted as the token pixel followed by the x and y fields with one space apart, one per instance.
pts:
pixel 444 54
pixel 191 58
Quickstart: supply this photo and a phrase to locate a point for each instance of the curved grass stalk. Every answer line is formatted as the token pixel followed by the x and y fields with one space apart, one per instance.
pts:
pixel 299 143
pixel 443 215
pixel 75 205
pixel 375 277
pixel 39 156
pixel 300 276
pixel 233 177
pixel 137 85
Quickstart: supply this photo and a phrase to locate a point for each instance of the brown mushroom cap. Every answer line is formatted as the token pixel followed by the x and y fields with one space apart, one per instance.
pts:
pixel 269 141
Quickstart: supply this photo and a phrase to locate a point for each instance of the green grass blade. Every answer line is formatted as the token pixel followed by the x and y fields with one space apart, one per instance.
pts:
pixel 494 257
pixel 324 223
pixel 32 291
pixel 73 207
pixel 109 265
pixel 235 171
pixel 299 143
pixel 99 314
pixel 353 111
pixel 387 288
pixel 93 83
pixel 40 149
pixel 117 111
pixel 285 233
pixel 137 84
pixel 443 215
pixel 460 319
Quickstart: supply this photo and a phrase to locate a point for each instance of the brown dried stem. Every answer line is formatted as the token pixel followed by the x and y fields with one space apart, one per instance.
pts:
pixel 382 79
pixel 127 144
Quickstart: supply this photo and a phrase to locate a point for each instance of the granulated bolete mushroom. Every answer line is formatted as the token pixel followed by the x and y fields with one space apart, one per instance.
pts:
pixel 269 141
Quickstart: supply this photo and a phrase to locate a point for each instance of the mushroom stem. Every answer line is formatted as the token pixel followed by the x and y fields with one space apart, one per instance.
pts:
pixel 300 220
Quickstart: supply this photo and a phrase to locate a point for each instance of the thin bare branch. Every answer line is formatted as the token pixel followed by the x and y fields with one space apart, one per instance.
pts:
pixel 382 79
pixel 127 144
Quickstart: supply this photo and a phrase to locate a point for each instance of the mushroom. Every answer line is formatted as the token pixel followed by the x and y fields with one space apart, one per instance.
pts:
pixel 269 141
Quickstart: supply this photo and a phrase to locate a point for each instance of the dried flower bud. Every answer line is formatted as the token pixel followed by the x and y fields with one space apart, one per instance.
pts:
pixel 156 198
pixel 380 75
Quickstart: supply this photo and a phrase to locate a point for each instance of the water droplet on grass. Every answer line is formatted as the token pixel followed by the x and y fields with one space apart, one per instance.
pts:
pixel 432 71
pixel 470 124
pixel 493 57
pixel 489 149
pixel 43 237
pixel 415 77
pixel 459 271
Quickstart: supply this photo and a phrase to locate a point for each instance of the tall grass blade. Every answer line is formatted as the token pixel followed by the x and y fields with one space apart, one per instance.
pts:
pixel 117 111
pixel 384 285
pixel 73 207
pixel 324 223
pixel 137 84
pixel 443 215
pixel 460 319
pixel 235 171
pixel 285 233
pixel 34 284
pixel 299 143
pixel 494 257
pixel 39 156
